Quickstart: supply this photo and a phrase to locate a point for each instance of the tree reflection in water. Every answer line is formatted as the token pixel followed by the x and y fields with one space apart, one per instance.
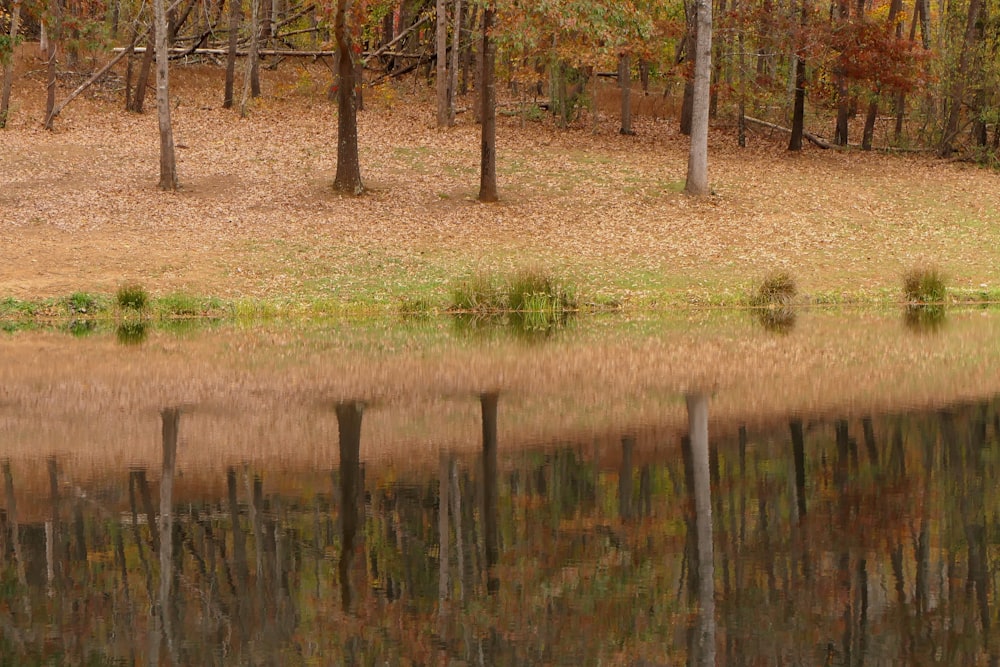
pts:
pixel 789 545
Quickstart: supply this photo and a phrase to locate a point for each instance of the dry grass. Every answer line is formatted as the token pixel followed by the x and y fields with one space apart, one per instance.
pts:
pixel 256 217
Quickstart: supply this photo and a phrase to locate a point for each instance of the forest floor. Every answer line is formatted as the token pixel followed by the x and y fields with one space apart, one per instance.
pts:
pixel 256 217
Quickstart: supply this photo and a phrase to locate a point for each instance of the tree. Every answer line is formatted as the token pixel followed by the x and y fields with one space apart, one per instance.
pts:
pixel 7 57
pixel 697 172
pixel 487 97
pixel 234 28
pixel 443 105
pixel 348 178
pixel 799 106
pixel 168 162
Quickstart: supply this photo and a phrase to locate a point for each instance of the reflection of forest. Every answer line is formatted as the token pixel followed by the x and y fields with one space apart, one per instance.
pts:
pixel 835 541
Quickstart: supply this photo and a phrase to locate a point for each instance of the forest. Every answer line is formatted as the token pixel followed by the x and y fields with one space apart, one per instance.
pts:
pixel 920 77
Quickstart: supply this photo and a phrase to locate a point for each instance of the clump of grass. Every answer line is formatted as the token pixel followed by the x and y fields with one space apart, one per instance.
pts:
pixel 528 290
pixel 776 290
pixel 132 296
pixel 415 308
pixel 82 303
pixel 180 305
pixel 11 307
pixel 924 285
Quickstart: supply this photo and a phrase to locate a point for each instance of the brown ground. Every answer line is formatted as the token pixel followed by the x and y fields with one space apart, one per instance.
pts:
pixel 256 217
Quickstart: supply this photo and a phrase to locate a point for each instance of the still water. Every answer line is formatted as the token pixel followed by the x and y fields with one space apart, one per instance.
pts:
pixel 331 497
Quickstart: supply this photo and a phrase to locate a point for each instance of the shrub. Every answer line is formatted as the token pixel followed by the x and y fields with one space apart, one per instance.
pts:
pixel 82 303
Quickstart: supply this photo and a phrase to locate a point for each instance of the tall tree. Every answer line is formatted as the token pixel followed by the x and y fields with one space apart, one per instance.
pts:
pixel 168 162
pixel 697 171
pixel 842 16
pixel 50 86
pixel 487 97
pixel 799 105
pixel 252 57
pixel 348 178
pixel 443 107
pixel 8 62
pixel 235 7
pixel 456 43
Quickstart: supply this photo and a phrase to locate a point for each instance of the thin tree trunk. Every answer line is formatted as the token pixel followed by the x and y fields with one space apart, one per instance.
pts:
pixel 168 163
pixel 840 78
pixel 697 172
pixel 456 47
pixel 487 96
pixel 234 27
pixel 251 58
pixel 348 177
pixel 50 87
pixel 441 81
pixel 8 70
pixel 145 67
pixel 625 81
pixel 799 106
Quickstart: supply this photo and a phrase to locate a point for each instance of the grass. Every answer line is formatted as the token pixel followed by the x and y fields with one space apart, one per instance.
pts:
pixel 777 289
pixel 924 285
pixel 132 296
pixel 524 291
pixel 84 303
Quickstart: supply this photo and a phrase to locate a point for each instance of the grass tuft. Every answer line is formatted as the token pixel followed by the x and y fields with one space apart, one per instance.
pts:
pixel 180 305
pixel 526 291
pixel 132 296
pixel 924 285
pixel 83 303
pixel 776 290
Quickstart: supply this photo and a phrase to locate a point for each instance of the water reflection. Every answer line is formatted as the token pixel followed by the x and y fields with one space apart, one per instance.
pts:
pixel 840 540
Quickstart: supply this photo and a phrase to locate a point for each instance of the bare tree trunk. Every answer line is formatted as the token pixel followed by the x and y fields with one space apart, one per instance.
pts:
pixel 348 178
pixel 840 77
pixel 251 57
pixel 691 50
pixel 697 172
pixel 50 87
pixel 487 96
pixel 145 67
pixel 8 70
pixel 234 28
pixel 799 106
pixel 442 64
pixel 456 48
pixel 168 162
pixel 625 81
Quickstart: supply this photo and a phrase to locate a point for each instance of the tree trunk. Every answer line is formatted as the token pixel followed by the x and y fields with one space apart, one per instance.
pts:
pixel 961 73
pixel 456 47
pixel 251 58
pixel 234 27
pixel 697 172
pixel 625 81
pixel 487 96
pixel 168 163
pixel 840 77
pixel 691 50
pixel 441 80
pixel 8 70
pixel 145 67
pixel 348 178
pixel 50 87
pixel 799 105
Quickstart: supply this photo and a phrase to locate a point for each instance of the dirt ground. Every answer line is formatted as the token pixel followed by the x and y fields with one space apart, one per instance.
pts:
pixel 256 216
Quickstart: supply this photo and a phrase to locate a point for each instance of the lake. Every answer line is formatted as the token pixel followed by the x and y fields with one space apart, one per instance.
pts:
pixel 701 488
